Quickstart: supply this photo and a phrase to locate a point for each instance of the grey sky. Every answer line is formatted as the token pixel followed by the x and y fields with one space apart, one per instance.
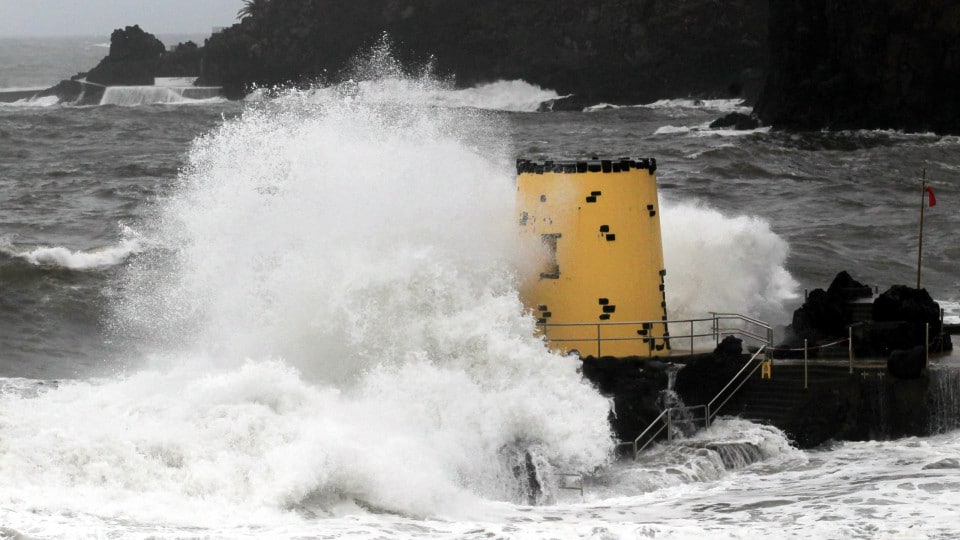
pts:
pixel 100 17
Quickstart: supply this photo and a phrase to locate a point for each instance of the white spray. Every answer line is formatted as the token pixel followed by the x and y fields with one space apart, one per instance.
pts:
pixel 337 317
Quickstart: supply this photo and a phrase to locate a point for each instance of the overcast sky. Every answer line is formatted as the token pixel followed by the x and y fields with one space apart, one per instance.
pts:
pixel 101 17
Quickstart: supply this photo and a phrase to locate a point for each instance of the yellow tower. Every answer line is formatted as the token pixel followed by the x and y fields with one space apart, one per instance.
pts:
pixel 599 286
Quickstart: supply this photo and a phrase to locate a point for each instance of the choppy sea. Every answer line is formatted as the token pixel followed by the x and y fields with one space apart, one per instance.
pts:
pixel 296 316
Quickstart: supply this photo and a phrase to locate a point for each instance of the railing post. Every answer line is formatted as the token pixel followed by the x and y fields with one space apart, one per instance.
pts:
pixel 706 409
pixel 691 338
pixel 716 329
pixel 598 340
pixel 767 354
pixel 805 364
pixel 850 347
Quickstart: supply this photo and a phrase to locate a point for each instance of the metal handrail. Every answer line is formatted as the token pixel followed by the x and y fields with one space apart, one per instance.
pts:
pixel 711 413
pixel 666 424
pixel 655 420
pixel 715 330
pixel 745 318
pixel 565 475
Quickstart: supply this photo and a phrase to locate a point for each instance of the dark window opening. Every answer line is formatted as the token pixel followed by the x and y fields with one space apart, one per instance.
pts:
pixel 552 267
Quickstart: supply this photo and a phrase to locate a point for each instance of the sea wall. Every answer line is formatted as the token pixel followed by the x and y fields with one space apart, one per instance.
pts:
pixel 858 64
pixel 620 51
pixel 815 404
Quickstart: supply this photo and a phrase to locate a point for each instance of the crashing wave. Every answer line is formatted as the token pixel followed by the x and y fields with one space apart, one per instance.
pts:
pixel 61 257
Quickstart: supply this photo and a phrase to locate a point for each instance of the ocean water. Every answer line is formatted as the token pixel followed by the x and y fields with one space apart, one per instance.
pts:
pixel 296 317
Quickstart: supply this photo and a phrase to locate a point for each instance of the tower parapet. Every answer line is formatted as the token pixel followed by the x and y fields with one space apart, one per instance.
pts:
pixel 596 224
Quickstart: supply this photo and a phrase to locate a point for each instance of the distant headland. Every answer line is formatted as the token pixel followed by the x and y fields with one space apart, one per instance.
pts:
pixel 826 65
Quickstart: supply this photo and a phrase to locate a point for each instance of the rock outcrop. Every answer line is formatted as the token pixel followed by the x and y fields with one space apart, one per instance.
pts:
pixel 617 51
pixel 134 59
pixel 894 320
pixel 183 60
pixel 737 121
pixel 857 64
pixel 825 314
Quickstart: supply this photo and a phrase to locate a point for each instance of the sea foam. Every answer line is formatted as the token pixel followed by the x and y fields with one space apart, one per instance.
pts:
pixel 95 259
pixel 333 320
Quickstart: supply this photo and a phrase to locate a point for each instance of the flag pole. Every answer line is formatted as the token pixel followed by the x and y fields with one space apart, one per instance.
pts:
pixel 923 193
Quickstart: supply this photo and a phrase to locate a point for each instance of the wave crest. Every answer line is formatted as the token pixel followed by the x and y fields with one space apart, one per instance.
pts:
pixel 61 257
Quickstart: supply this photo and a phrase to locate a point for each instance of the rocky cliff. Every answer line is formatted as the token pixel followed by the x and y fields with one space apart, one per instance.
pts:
pixel 851 64
pixel 134 59
pixel 623 51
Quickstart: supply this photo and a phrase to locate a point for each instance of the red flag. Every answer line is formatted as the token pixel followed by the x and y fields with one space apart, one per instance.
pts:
pixel 930 197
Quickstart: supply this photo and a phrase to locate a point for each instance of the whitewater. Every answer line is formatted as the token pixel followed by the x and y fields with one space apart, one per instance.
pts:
pixel 314 331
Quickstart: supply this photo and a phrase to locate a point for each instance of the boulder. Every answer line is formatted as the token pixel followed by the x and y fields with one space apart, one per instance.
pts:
pixel 907 364
pixel 847 288
pixel 134 59
pixel 825 314
pixel 705 375
pixel 737 121
pixel 564 103
pixel 730 346
pixel 902 303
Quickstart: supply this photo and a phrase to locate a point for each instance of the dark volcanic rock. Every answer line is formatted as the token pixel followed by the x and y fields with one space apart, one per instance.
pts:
pixel 619 51
pixel 634 384
pixel 844 286
pixel 824 315
pixel 902 303
pixel 735 120
pixel 183 61
pixel 859 64
pixel 134 59
pixel 705 375
pixel 908 311
pixel 898 320
pixel 907 364
pixel 565 103
pixel 75 92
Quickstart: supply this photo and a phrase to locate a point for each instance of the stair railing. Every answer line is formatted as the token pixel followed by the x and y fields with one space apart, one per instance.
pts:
pixel 664 419
pixel 713 412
